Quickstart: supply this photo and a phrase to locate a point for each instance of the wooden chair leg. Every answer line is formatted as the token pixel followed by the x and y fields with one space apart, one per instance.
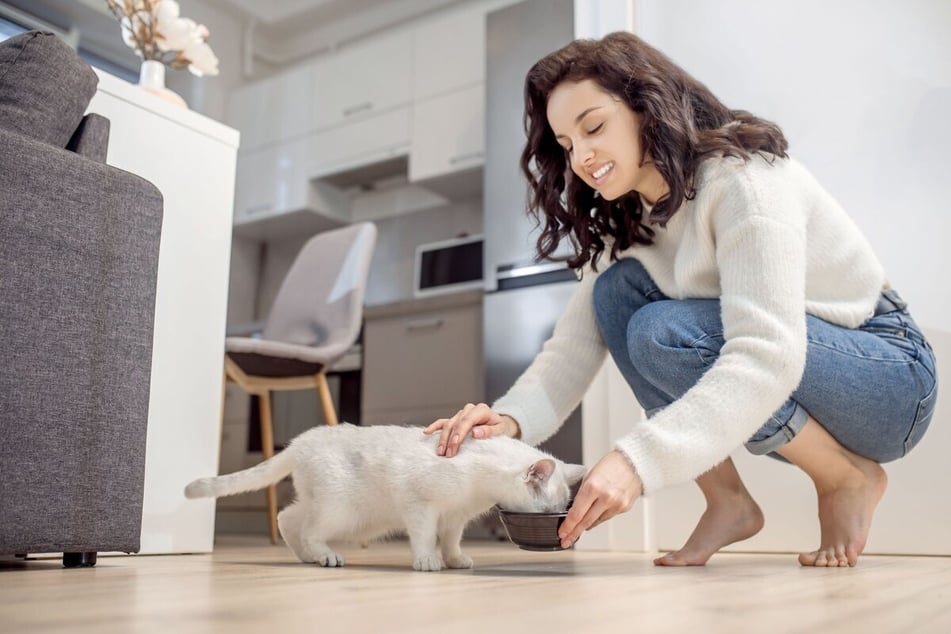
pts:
pixel 267 447
pixel 326 401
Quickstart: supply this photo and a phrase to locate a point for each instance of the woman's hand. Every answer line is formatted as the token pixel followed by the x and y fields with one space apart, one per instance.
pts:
pixel 609 488
pixel 479 419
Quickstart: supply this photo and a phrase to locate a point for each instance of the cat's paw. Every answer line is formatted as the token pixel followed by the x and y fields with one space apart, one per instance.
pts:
pixel 428 563
pixel 459 561
pixel 331 560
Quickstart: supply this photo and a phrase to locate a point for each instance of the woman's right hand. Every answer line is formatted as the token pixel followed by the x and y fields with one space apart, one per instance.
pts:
pixel 481 421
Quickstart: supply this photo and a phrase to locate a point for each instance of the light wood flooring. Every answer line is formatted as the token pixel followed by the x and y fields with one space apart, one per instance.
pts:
pixel 248 586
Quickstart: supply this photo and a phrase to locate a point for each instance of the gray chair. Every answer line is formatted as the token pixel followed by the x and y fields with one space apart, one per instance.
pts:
pixel 79 244
pixel 315 319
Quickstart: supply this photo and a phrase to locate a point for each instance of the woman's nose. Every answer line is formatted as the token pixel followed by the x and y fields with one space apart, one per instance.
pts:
pixel 584 155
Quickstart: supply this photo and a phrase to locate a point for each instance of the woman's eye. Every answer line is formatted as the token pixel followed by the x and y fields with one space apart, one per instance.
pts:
pixel 596 129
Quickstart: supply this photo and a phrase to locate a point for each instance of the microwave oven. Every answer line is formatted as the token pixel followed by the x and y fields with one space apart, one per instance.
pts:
pixel 448 266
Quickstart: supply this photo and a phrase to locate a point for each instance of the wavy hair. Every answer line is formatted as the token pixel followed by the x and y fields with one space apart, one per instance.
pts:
pixel 682 123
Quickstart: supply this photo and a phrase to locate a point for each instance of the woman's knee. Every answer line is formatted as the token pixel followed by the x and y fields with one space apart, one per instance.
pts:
pixel 674 336
pixel 619 291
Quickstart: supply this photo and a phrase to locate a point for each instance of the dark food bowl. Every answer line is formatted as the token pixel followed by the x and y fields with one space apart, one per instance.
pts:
pixel 533 531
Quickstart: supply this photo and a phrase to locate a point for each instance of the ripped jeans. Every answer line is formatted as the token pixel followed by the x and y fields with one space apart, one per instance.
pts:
pixel 873 387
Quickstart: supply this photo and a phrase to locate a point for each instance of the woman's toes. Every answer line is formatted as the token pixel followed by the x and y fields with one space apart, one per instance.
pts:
pixel 844 559
pixel 852 556
pixel 670 559
pixel 808 559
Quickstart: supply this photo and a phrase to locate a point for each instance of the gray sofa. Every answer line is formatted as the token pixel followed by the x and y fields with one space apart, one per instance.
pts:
pixel 79 244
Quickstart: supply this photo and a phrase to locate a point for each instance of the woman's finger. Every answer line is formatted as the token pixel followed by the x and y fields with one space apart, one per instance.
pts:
pixel 444 434
pixel 462 422
pixel 592 516
pixel 435 426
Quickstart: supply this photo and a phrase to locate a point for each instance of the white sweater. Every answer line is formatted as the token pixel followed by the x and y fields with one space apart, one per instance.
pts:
pixel 772 245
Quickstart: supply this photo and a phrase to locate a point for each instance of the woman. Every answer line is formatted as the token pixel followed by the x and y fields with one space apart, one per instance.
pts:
pixel 737 298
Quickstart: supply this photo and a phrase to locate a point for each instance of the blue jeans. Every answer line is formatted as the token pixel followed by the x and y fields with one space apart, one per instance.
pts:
pixel 873 387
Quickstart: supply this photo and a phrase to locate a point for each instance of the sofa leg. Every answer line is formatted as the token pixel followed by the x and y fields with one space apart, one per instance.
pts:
pixel 79 560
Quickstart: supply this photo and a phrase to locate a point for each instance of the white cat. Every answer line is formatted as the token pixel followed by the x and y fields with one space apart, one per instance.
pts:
pixel 362 483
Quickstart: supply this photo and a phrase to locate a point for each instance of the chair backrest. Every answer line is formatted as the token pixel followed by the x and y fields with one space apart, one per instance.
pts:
pixel 320 302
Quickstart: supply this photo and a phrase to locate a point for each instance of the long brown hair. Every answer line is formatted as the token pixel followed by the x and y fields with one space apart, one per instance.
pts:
pixel 682 123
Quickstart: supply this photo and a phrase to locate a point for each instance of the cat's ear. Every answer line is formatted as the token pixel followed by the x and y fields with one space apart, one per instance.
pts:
pixel 539 472
pixel 574 473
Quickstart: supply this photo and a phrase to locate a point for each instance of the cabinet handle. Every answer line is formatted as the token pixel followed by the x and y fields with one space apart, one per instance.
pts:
pixel 352 110
pixel 250 211
pixel 460 158
pixel 423 324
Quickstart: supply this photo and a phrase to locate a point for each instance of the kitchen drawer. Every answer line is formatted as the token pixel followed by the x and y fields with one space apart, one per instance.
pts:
pixel 424 364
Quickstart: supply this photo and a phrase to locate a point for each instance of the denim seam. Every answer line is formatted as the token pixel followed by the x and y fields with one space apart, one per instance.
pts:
pixel 770 442
pixel 695 345
pixel 861 356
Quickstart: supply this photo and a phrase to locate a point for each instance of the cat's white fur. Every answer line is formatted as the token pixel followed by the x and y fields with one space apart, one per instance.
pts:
pixel 362 483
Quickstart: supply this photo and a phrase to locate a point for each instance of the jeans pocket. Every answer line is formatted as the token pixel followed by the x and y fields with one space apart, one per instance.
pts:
pixel 922 418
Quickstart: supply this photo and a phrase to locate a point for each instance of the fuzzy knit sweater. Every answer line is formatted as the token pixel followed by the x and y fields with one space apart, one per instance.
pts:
pixel 767 240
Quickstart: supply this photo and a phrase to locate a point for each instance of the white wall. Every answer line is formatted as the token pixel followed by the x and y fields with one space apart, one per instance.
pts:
pixel 209 95
pixel 862 89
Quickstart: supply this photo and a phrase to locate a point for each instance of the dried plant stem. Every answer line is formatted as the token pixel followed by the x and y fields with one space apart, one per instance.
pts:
pixel 144 36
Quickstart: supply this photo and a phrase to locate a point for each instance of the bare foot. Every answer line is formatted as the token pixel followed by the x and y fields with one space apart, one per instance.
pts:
pixel 723 523
pixel 845 514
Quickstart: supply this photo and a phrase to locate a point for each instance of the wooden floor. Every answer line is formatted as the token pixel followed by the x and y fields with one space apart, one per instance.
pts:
pixel 249 586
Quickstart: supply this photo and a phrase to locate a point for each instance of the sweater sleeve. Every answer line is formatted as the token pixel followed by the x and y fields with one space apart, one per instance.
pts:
pixel 553 385
pixel 759 230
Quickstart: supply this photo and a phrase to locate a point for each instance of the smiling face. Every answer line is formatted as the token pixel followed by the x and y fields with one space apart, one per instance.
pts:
pixel 601 136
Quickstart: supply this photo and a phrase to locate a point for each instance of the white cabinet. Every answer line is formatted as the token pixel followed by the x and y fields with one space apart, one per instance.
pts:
pixel 246 110
pixel 409 376
pixel 191 159
pixel 277 196
pixel 448 133
pixel 367 141
pixel 275 109
pixel 359 82
pixel 410 102
pixel 294 116
pixel 449 53
pixel 271 180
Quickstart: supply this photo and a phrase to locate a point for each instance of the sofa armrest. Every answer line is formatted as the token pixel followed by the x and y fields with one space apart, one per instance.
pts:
pixel 91 138
pixel 79 246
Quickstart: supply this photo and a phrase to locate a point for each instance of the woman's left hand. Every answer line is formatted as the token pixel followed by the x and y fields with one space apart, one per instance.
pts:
pixel 610 487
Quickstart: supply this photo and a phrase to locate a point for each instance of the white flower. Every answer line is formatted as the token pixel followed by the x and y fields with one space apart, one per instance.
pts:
pixel 175 35
pixel 155 31
pixel 165 10
pixel 202 58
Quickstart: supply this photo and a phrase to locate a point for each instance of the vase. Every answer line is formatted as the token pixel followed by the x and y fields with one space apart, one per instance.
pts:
pixel 152 79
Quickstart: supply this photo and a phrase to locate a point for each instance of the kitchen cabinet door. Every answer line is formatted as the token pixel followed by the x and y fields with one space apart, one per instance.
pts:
pixel 448 133
pixel 252 109
pixel 360 143
pixel 270 181
pixel 422 364
pixel 275 109
pixel 363 80
pixel 449 53
pixel 295 94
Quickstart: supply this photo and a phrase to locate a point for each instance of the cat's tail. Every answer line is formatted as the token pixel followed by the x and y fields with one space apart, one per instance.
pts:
pixel 257 477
